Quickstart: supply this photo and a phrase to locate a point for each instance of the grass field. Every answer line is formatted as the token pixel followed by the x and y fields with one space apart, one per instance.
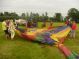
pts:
pixel 23 49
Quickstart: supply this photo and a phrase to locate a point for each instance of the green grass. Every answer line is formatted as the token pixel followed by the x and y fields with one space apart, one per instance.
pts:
pixel 23 49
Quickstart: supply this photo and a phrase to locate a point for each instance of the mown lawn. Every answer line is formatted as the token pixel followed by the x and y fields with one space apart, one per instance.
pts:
pixel 23 49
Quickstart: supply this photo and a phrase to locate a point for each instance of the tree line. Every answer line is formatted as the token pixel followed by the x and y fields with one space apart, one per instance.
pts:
pixel 73 13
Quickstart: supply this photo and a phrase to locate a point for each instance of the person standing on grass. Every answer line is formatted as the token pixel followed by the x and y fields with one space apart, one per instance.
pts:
pixel 12 29
pixel 29 24
pixel 34 24
pixel 73 29
pixel 50 26
pixel 67 22
pixel 5 28
pixel 44 24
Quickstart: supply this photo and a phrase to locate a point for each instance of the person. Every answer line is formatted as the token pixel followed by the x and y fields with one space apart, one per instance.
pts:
pixel 29 24
pixel 70 24
pixel 44 24
pixel 12 29
pixel 50 26
pixel 26 28
pixel 16 24
pixel 73 29
pixel 5 28
pixel 67 22
pixel 34 24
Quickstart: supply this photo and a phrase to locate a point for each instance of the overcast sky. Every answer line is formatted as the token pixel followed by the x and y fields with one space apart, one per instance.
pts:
pixel 40 6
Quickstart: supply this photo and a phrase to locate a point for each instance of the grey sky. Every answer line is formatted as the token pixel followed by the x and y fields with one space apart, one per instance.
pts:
pixel 40 6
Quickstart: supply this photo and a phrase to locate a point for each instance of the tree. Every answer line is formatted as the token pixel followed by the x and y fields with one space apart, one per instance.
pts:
pixel 74 14
pixel 31 16
pixel 46 16
pixel 58 17
pixel 1 14
pixel 27 16
pixel 23 16
pixel 42 17
pixel 36 17
pixel 51 19
pixel 14 16
pixel 8 15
